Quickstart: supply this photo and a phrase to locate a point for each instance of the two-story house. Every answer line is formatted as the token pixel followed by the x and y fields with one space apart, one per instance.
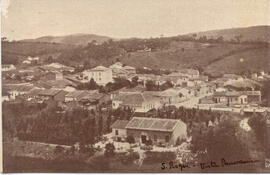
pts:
pixel 100 74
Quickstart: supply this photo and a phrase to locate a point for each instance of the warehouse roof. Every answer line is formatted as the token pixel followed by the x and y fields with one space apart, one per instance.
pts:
pixel 120 124
pixel 154 124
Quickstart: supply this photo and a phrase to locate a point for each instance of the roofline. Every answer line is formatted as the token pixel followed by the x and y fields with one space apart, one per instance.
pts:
pixel 151 129
pixel 145 129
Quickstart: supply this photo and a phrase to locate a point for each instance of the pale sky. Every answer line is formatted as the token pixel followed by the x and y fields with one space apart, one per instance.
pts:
pixel 23 19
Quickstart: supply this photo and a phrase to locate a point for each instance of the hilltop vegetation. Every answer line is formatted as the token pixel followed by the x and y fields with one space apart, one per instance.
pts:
pixel 215 53
pixel 214 58
pixel 251 34
pixel 13 52
pixel 76 39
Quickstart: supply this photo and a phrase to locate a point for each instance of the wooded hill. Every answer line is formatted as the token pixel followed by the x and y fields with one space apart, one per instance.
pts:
pixel 215 53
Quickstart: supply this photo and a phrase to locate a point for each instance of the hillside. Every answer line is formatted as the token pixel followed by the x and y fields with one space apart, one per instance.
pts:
pixel 214 57
pixel 250 60
pixel 14 52
pixel 76 39
pixel 254 33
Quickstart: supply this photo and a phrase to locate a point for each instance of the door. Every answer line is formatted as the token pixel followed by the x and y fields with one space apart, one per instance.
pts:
pixel 143 138
pixel 167 139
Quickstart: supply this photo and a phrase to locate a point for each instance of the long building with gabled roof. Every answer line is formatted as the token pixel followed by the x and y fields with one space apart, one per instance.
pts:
pixel 154 130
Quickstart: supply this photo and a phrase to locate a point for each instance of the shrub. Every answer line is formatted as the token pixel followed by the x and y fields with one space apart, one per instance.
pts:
pixel 179 141
pixel 109 150
pixel 100 163
pixel 157 157
pixel 129 158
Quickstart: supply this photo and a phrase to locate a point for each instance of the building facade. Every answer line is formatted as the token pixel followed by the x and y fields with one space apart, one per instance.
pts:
pixel 157 131
pixel 100 74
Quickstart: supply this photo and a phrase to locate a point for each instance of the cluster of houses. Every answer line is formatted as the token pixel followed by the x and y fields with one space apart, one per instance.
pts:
pixel 57 84
pixel 229 90
pixel 103 75
pixel 234 91
pixel 8 67
pixel 31 60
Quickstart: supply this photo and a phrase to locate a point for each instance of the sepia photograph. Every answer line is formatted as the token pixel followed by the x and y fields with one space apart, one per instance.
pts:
pixel 135 86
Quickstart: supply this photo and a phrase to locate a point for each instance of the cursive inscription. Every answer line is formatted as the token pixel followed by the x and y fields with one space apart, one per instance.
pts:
pixel 205 165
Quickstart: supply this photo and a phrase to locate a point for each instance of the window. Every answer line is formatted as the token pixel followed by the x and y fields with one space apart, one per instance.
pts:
pixel 116 132
pixel 99 78
pixel 99 73
pixel 155 137
pixel 167 138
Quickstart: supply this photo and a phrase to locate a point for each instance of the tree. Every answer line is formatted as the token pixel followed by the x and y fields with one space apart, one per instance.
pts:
pixel 49 59
pixel 109 150
pixel 108 121
pixel 219 143
pixel 238 38
pixel 93 84
pixel 134 81
pixel 86 64
pixel 150 85
pixel 100 163
pixel 100 125
pixel 258 124
pixel 220 39
pixel 166 85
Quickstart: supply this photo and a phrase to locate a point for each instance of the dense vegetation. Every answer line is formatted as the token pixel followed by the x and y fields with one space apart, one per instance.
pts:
pixel 262 130
pixel 211 131
pixel 52 125
pixel 14 52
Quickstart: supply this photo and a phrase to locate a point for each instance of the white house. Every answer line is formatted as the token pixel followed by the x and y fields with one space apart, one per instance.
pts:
pixel 102 75
pixel 8 67
pixel 119 130
pixel 15 90
pixel 26 62
pixel 33 58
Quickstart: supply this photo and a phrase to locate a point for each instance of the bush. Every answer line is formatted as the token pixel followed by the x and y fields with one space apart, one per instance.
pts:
pixel 157 157
pixel 109 150
pixel 129 158
pixel 100 163
pixel 179 141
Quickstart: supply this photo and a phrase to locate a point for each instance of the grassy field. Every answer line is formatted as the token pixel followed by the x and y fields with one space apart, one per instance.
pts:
pixel 253 60
pixel 214 58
